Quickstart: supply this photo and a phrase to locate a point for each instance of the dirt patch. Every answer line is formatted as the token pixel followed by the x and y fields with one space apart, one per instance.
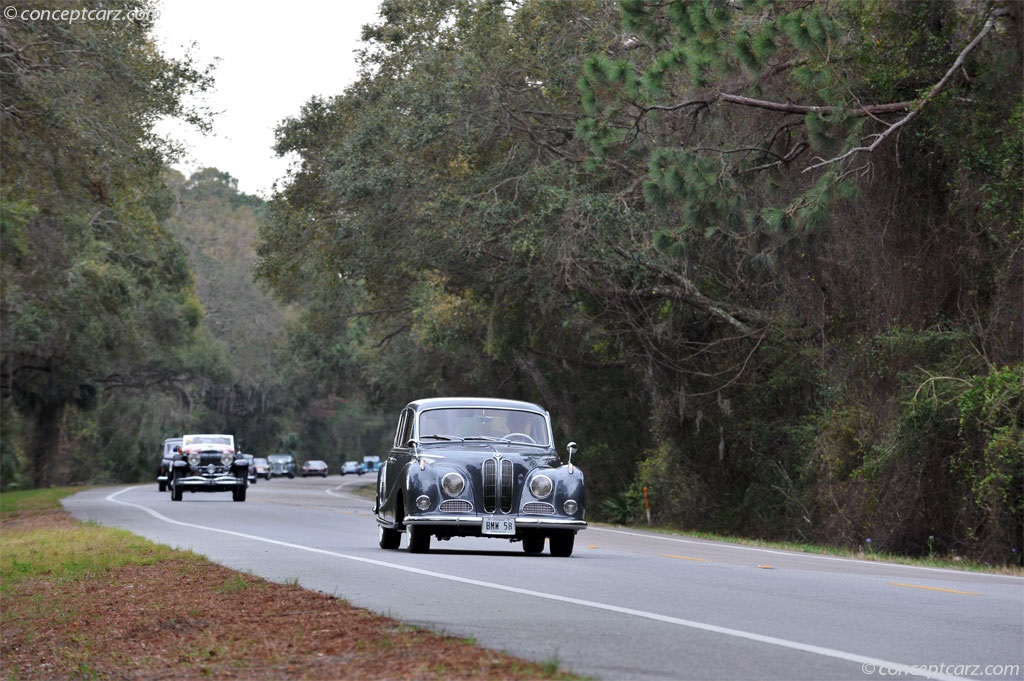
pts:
pixel 189 619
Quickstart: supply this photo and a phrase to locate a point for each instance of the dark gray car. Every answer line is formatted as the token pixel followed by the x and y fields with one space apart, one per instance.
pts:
pixel 478 467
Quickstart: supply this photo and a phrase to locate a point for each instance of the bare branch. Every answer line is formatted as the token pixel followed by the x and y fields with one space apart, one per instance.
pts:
pixel 919 104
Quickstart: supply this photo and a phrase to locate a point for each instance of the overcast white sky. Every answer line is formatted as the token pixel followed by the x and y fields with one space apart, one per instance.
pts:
pixel 273 58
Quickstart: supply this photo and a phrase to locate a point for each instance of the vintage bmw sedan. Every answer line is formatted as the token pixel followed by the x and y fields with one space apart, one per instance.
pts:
pixel 478 467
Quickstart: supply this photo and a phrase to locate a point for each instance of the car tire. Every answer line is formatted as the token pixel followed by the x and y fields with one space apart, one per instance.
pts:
pixel 388 538
pixel 162 486
pixel 176 492
pixel 561 543
pixel 238 494
pixel 533 545
pixel 419 539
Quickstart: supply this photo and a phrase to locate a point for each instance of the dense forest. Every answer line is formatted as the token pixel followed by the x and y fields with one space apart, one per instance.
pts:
pixel 762 258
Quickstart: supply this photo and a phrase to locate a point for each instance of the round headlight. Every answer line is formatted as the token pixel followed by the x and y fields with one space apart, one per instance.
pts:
pixel 226 458
pixel 540 486
pixel 453 484
pixel 570 507
pixel 423 502
pixel 194 458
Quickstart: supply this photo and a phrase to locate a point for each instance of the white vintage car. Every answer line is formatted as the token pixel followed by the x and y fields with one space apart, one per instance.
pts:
pixel 209 463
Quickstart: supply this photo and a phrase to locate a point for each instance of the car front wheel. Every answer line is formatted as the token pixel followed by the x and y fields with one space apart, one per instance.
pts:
pixel 419 539
pixel 561 543
pixel 388 538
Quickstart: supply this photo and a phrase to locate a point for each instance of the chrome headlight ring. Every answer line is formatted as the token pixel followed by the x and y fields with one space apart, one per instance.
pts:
pixel 453 484
pixel 226 458
pixel 541 486
pixel 194 458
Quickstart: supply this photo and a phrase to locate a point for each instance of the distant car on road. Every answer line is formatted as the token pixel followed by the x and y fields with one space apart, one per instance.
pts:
pixel 252 468
pixel 282 464
pixel 352 468
pixel 314 467
pixel 163 473
pixel 262 467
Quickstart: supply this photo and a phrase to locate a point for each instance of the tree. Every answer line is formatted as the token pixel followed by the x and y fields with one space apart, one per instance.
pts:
pixel 96 296
pixel 620 216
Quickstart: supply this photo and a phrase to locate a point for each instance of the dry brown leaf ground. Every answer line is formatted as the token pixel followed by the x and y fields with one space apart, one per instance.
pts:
pixel 189 619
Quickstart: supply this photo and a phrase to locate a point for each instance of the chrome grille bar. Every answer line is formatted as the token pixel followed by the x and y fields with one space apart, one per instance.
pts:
pixel 490 475
pixel 506 486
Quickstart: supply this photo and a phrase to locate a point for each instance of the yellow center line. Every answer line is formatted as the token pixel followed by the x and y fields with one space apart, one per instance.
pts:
pixel 935 588
pixel 698 560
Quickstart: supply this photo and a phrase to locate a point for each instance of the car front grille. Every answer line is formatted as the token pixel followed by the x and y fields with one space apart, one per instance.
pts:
pixel 538 508
pixel 498 480
pixel 456 506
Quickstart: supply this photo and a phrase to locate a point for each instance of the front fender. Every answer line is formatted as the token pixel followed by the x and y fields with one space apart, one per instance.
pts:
pixel 570 484
pixel 418 482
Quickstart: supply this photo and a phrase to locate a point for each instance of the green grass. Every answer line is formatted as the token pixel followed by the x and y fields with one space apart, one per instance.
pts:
pixel 71 552
pixel 34 499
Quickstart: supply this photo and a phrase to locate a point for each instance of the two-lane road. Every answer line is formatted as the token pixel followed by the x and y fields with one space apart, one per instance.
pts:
pixel 626 605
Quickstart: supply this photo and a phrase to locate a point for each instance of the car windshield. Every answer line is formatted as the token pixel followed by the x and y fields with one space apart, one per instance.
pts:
pixel 280 458
pixel 487 424
pixel 208 440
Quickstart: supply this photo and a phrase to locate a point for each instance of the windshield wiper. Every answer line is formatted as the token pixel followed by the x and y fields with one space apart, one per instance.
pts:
pixel 438 436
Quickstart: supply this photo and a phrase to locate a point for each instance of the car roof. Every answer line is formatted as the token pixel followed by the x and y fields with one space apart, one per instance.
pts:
pixel 470 402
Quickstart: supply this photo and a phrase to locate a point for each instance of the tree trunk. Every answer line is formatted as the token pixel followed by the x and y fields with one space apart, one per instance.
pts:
pixel 47 464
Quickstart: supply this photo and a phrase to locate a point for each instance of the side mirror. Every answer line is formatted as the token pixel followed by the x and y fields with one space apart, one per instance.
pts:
pixel 572 448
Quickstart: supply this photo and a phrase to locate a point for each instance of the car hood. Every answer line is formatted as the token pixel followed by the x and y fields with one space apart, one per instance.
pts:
pixel 465 453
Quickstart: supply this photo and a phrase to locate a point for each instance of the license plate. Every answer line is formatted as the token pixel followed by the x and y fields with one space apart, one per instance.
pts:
pixel 499 526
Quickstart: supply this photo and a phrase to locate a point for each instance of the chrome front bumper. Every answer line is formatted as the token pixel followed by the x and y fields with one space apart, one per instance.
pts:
pixel 476 521
pixel 197 483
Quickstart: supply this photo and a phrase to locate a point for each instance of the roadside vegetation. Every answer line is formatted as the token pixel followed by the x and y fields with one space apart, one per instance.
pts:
pixel 767 280
pixel 80 601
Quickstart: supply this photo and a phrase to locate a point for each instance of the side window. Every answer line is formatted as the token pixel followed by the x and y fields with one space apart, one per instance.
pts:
pixel 401 428
pixel 406 431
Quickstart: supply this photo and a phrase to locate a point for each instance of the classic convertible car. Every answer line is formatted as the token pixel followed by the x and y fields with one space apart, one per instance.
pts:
pixel 478 467
pixel 209 463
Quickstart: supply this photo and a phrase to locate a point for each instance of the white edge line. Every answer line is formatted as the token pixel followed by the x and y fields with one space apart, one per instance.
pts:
pixel 892 668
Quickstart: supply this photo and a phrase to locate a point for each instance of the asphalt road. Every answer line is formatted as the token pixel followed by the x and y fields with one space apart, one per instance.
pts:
pixel 627 605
